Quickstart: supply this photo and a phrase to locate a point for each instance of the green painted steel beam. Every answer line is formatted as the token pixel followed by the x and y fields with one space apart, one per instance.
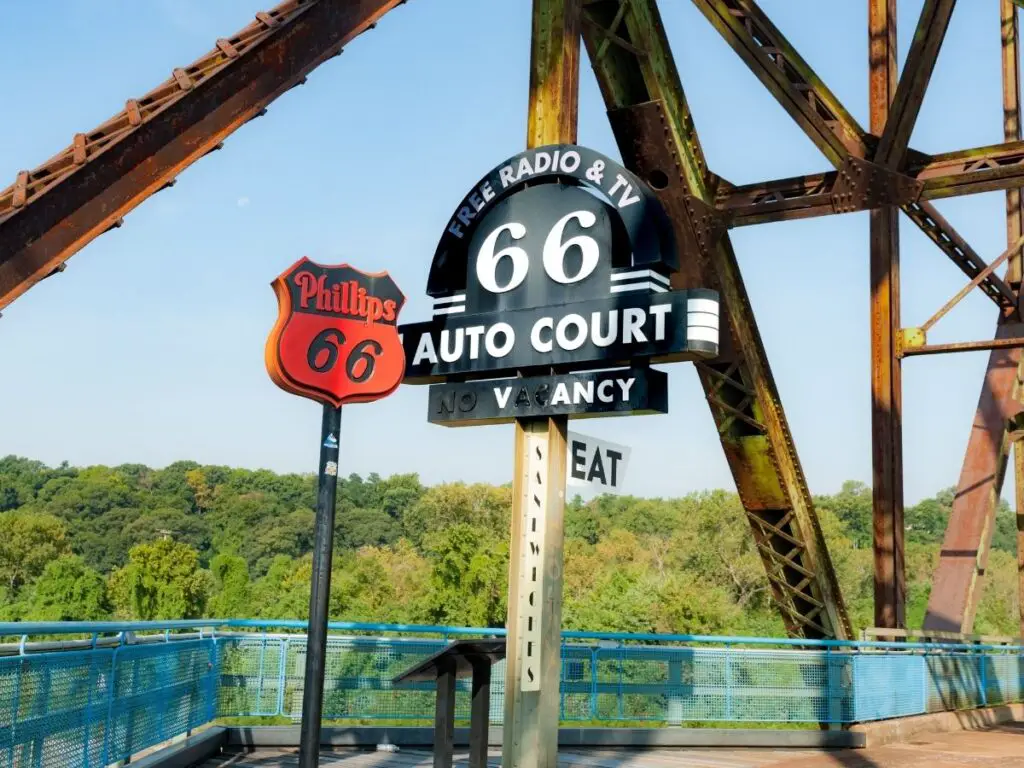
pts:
pixel 655 131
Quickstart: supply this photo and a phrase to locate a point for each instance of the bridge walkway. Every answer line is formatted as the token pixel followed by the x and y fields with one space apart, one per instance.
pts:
pixel 1001 746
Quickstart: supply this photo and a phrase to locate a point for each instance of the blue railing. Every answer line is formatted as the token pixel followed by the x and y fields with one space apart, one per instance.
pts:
pixel 89 694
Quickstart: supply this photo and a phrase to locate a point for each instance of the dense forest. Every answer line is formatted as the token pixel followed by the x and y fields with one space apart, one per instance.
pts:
pixel 192 541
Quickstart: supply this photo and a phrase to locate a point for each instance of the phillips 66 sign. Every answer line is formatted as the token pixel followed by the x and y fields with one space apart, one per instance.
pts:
pixel 336 337
pixel 558 260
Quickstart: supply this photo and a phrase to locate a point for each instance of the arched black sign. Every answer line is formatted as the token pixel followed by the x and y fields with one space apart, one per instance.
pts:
pixel 640 216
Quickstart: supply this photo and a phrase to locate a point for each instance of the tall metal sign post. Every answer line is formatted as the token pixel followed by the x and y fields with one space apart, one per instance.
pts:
pixel 552 270
pixel 335 341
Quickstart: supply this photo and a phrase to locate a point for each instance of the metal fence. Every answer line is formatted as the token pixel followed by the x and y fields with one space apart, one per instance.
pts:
pixel 116 691
pixel 102 704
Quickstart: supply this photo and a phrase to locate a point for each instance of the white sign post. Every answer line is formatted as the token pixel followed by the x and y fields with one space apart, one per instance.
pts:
pixel 596 463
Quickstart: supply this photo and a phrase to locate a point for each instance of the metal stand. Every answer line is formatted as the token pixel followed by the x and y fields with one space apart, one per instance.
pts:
pixel 316 645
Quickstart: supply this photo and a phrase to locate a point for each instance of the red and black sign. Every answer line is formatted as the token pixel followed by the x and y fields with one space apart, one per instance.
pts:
pixel 336 336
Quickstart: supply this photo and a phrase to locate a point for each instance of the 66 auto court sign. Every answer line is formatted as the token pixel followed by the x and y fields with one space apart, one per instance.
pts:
pixel 559 259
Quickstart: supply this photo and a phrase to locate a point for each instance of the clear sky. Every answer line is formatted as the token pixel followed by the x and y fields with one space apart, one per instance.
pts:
pixel 149 347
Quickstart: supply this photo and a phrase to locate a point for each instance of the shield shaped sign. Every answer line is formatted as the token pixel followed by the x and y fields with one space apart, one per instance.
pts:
pixel 336 336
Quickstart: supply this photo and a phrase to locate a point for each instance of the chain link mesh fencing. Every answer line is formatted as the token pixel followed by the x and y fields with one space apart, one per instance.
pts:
pixel 91 707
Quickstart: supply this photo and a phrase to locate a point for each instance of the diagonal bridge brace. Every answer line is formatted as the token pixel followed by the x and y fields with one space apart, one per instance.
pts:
pixel 656 137
pixel 56 209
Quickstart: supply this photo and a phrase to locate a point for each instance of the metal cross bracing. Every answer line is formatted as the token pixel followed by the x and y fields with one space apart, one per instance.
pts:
pixel 50 213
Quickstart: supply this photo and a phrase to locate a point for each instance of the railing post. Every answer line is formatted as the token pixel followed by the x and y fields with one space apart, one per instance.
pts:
pixel 593 683
pixel 728 681
pixel 37 743
pixel 129 742
pixel 622 703
pixel 833 692
pixel 924 681
pixel 87 723
pixel 259 680
pixel 213 697
pixel 983 661
pixel 561 679
pixel 16 703
pixel 675 681
pixel 109 725
pixel 281 669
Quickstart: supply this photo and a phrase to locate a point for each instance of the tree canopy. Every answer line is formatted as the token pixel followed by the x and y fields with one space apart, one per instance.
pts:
pixel 189 541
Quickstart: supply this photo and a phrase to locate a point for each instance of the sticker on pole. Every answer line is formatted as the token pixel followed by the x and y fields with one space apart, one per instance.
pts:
pixel 596 463
pixel 336 336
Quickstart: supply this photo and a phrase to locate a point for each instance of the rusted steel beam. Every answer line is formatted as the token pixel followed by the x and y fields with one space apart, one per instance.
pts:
pixel 1010 32
pixel 917 72
pixel 798 197
pixel 1010 44
pixel 886 376
pixel 1018 465
pixel 52 212
pixel 647 108
pixel 858 184
pixel 964 554
pixel 932 223
pixel 815 195
pixel 970 171
pixel 1013 252
pixel 963 346
pixel 964 172
pixel 786 75
pixel 957 583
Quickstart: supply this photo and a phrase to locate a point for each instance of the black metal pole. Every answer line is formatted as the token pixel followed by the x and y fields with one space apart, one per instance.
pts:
pixel 316 644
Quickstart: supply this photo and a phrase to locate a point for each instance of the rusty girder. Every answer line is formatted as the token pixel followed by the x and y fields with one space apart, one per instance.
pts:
pixel 53 211
pixel 917 72
pixel 950 174
pixel 958 579
pixel 655 134
pixel 789 78
pixel 890 585
pixel 861 181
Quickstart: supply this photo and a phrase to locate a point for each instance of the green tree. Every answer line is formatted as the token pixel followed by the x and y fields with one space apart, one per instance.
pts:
pixel 443 506
pixel 469 576
pixel 28 541
pixel 852 505
pixel 184 527
pixel 1004 537
pixel 69 590
pixel 925 522
pixel 162 580
pixel 231 598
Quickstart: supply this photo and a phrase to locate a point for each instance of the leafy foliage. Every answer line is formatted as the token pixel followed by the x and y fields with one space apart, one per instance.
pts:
pixel 189 540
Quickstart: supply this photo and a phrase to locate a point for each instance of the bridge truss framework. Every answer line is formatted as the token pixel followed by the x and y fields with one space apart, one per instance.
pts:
pixel 50 213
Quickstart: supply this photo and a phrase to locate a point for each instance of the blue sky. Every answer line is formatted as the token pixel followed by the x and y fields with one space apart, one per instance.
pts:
pixel 148 348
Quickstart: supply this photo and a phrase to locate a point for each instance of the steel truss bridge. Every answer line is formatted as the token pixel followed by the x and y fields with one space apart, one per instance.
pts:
pixel 53 211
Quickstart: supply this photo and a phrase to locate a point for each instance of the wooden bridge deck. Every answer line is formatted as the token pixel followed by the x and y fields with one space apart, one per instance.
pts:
pixel 1002 746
